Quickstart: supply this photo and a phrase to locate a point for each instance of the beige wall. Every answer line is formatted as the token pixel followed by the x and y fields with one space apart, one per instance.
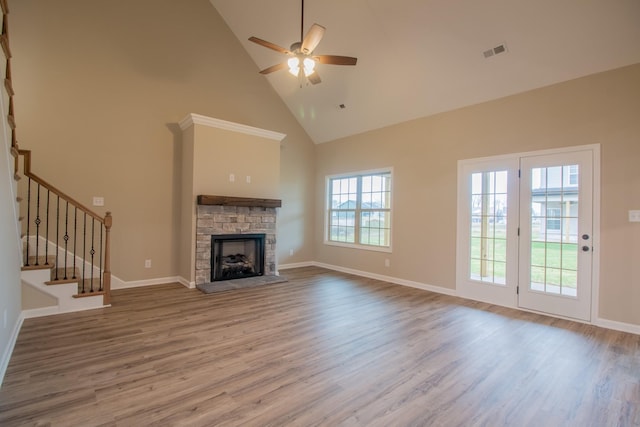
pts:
pixel 603 108
pixel 218 153
pixel 100 89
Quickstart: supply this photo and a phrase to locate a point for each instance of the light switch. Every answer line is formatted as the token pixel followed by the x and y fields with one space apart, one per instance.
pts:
pixel 98 201
pixel 634 216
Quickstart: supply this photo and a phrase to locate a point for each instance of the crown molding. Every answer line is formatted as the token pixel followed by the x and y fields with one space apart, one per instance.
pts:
pixel 197 119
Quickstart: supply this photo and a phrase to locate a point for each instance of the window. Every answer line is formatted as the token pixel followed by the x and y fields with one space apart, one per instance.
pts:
pixel 359 209
pixel 573 174
pixel 553 218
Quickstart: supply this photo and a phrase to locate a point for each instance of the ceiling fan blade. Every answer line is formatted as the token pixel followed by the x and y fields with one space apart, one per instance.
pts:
pixel 312 39
pixel 270 45
pixel 274 68
pixel 336 60
pixel 314 78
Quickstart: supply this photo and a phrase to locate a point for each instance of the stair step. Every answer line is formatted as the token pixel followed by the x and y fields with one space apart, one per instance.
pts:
pixel 9 87
pixel 87 286
pixel 59 275
pixel 88 294
pixel 62 281
pixel 40 263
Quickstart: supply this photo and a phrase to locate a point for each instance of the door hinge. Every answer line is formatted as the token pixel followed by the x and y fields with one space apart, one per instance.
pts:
pixel 518 173
pixel 518 231
pixel 517 290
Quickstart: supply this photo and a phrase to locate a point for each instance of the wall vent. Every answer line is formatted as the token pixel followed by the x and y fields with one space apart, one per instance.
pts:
pixel 501 48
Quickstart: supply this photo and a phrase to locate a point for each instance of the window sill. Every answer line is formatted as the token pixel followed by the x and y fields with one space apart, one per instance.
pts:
pixel 362 247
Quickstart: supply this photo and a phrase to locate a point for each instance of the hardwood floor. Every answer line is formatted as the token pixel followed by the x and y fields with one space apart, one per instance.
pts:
pixel 324 349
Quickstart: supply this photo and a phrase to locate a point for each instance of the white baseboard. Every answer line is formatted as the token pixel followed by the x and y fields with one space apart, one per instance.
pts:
pixel 390 279
pixel 8 351
pixel 117 283
pixel 617 326
pixel 54 309
pixel 295 265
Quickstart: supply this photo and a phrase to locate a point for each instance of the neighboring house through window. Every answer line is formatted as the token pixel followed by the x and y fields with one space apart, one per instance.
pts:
pixel 359 210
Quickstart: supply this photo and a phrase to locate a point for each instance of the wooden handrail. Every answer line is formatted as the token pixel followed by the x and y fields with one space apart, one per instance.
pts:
pixel 53 189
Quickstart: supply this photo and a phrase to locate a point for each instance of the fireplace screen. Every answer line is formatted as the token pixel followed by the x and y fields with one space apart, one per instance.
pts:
pixel 234 256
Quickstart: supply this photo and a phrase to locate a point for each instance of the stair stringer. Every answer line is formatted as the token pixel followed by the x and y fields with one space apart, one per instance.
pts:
pixel 64 294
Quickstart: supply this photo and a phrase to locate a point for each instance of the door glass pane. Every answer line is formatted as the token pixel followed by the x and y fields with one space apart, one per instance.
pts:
pixel 488 227
pixel 554 229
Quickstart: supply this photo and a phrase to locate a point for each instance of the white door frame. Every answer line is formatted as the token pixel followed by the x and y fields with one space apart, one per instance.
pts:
pixel 463 222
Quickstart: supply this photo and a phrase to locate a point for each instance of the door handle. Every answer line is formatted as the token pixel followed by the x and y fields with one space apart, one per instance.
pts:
pixel 585 248
pixel 585 237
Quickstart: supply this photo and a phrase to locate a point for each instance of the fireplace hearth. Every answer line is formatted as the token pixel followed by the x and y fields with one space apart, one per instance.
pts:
pixel 236 256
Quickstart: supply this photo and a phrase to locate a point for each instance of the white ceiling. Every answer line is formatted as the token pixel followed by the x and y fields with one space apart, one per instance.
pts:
pixel 421 57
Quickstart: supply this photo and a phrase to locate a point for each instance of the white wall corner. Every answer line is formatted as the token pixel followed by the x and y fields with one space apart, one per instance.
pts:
pixel 8 350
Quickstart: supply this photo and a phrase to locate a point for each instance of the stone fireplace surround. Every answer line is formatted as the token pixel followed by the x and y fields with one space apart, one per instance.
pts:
pixel 218 215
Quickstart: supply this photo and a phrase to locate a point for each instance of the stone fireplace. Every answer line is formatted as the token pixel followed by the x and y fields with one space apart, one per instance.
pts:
pixel 240 164
pixel 230 219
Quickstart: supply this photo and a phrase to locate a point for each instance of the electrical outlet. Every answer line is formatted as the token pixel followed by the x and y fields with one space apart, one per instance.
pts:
pixel 147 263
pixel 248 179
pixel 4 317
pixel 232 177
pixel 387 263
pixel 290 252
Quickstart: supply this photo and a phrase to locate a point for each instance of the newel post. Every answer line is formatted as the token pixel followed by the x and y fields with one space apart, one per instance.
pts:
pixel 108 220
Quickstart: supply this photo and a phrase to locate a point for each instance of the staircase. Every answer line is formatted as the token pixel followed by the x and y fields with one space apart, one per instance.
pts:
pixel 66 246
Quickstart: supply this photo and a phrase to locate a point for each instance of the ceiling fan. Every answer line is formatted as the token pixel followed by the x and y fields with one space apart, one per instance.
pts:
pixel 302 62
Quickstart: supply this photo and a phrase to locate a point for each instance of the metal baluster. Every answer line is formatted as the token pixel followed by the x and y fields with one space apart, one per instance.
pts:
pixel 46 246
pixel 93 251
pixel 26 260
pixel 37 222
pixel 75 235
pixel 66 237
pixel 84 249
pixel 57 235
pixel 101 255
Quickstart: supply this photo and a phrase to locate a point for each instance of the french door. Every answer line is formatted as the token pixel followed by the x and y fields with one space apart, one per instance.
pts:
pixel 556 234
pixel 525 233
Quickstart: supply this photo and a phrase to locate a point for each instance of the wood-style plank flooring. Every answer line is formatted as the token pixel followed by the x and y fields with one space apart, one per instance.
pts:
pixel 323 349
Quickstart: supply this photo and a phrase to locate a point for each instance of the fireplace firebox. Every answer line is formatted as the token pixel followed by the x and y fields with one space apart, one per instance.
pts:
pixel 235 256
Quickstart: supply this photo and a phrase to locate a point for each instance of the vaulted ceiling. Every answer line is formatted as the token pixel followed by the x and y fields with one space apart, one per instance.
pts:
pixel 421 57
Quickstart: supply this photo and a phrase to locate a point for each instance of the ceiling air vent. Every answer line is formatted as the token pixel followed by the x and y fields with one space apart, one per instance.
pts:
pixel 502 48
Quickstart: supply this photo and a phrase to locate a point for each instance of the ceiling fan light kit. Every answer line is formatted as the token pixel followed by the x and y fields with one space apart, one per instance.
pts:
pixel 301 62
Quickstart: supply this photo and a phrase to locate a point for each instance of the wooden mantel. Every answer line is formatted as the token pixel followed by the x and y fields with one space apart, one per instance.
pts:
pixel 248 202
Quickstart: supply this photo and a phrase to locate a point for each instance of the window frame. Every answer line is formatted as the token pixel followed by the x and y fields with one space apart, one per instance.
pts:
pixel 358 210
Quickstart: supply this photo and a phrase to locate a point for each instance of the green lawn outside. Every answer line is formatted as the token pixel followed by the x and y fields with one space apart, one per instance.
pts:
pixel 551 263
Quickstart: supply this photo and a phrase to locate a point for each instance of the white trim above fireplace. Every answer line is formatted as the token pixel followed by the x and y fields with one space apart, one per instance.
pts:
pixel 193 118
